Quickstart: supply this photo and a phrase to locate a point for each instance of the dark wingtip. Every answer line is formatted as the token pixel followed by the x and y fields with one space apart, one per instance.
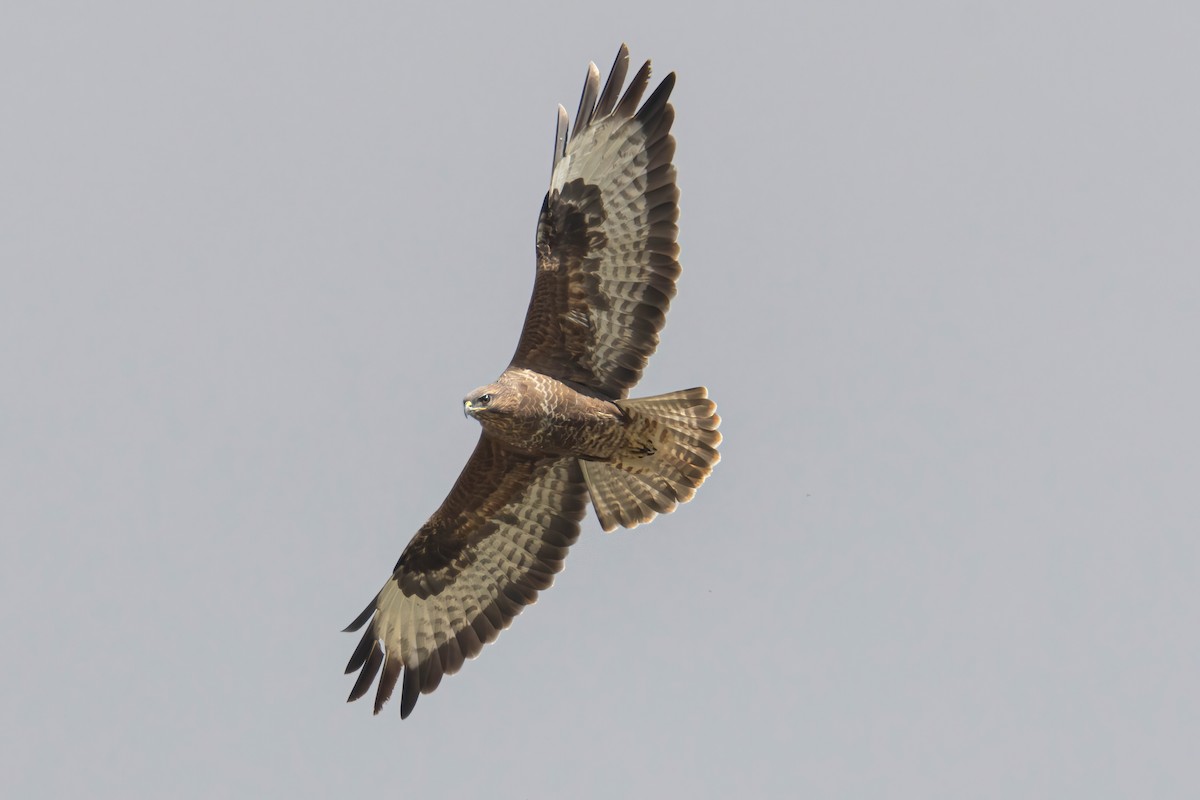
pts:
pixel 633 94
pixel 612 87
pixel 387 682
pixel 362 618
pixel 410 693
pixel 367 676
pixel 658 99
pixel 360 654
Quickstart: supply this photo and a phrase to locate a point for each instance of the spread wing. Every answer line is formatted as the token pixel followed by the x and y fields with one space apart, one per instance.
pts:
pixel 606 237
pixel 498 539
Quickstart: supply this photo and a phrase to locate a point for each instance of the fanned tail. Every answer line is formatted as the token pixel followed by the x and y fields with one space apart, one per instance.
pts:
pixel 674 442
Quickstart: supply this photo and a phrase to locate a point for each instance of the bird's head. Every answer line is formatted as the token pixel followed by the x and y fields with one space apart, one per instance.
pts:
pixel 486 402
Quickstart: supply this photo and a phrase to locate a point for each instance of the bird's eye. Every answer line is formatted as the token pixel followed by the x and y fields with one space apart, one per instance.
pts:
pixel 484 399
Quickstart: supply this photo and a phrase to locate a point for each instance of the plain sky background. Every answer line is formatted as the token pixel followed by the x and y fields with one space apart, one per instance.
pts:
pixel 941 273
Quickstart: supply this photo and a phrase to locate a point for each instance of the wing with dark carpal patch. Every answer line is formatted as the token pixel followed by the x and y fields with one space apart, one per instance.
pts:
pixel 607 257
pixel 498 539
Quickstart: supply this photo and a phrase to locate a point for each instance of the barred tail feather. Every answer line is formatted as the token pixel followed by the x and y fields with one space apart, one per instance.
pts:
pixel 680 431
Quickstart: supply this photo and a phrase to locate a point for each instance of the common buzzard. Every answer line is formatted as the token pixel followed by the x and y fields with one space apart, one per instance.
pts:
pixel 558 429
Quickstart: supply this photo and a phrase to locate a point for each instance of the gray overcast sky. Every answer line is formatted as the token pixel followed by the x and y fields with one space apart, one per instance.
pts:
pixel 940 273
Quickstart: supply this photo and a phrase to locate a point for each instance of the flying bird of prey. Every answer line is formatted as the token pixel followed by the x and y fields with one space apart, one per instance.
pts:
pixel 558 427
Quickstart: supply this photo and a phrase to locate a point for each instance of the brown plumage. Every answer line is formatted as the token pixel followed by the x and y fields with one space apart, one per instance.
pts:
pixel 558 429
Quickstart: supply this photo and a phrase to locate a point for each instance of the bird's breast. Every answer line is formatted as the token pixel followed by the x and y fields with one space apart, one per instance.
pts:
pixel 551 418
